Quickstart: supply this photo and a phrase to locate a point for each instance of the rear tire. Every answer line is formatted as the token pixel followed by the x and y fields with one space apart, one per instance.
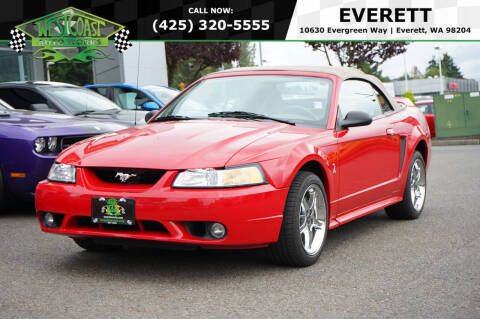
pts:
pixel 90 245
pixel 415 191
pixel 305 223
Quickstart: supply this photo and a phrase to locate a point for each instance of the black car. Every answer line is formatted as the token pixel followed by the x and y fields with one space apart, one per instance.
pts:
pixel 66 99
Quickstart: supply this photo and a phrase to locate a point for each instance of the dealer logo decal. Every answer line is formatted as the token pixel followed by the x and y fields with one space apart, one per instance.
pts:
pixel 70 35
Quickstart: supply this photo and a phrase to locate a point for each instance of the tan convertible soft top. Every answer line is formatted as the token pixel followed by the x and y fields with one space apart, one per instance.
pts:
pixel 344 73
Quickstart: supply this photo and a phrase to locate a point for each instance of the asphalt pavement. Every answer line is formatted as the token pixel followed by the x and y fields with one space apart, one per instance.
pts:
pixel 373 267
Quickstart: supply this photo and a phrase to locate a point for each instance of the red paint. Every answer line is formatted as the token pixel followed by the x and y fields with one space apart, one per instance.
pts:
pixel 367 159
pixel 430 117
pixel 453 86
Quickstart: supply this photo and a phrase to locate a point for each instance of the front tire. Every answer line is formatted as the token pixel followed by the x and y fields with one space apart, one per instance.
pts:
pixel 305 223
pixel 415 191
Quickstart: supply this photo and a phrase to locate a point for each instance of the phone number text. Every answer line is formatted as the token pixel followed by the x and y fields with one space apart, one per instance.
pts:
pixel 210 25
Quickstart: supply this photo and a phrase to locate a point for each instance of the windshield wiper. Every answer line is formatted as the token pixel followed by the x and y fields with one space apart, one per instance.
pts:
pixel 84 112
pixel 248 115
pixel 102 112
pixel 172 118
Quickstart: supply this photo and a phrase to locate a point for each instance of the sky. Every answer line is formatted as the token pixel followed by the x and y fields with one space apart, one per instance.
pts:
pixel 465 54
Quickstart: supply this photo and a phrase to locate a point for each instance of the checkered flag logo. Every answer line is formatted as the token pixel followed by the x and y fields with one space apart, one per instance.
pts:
pixel 18 40
pixel 121 40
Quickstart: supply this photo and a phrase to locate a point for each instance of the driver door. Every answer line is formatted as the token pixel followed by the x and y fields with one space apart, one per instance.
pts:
pixel 368 156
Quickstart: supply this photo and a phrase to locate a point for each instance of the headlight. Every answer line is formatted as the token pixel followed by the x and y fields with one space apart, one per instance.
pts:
pixel 46 145
pixel 62 173
pixel 52 144
pixel 40 144
pixel 217 178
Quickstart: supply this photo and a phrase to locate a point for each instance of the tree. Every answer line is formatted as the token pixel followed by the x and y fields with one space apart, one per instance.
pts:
pixel 247 56
pixel 356 54
pixel 184 71
pixel 449 68
pixel 74 73
pixel 416 74
pixel 375 71
pixel 409 95
pixel 198 56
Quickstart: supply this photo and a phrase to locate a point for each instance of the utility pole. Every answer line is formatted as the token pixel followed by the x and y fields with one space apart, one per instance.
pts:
pixel 260 52
pixel 437 49
pixel 406 70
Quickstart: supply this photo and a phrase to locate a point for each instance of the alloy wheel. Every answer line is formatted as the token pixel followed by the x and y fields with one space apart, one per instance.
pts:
pixel 313 219
pixel 418 184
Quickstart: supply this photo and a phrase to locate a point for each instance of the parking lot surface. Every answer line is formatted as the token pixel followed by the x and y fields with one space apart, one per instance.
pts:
pixel 373 267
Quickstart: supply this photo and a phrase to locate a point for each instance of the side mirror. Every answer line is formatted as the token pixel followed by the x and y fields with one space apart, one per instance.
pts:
pixel 355 118
pixel 41 107
pixel 149 115
pixel 150 106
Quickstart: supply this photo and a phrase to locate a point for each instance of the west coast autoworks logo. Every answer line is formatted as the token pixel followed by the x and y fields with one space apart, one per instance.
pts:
pixel 70 35
pixel 112 208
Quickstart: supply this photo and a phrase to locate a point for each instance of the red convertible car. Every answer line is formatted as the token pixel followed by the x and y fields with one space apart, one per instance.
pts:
pixel 245 158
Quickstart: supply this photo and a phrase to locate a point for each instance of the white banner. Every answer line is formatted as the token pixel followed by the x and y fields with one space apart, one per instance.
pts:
pixel 385 20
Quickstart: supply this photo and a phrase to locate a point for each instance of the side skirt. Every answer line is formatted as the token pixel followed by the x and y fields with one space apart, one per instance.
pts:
pixel 343 219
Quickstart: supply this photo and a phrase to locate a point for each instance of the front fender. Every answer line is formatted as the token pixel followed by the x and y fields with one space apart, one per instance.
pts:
pixel 281 171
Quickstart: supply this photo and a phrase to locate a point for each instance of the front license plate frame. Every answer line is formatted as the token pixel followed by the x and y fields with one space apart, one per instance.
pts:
pixel 113 211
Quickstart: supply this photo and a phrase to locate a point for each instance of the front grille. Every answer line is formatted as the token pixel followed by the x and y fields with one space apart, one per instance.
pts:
pixel 128 176
pixel 153 226
pixel 113 227
pixel 68 141
pixel 139 226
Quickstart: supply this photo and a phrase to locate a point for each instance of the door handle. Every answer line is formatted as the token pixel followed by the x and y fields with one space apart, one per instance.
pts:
pixel 390 131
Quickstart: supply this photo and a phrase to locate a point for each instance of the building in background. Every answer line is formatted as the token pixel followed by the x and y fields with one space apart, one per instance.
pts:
pixel 19 67
pixel 432 86
pixel 142 64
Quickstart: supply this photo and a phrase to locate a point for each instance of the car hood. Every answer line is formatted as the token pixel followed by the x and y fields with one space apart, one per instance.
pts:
pixel 54 124
pixel 126 117
pixel 179 144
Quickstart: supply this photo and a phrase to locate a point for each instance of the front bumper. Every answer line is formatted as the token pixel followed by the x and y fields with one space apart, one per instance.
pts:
pixel 34 166
pixel 252 215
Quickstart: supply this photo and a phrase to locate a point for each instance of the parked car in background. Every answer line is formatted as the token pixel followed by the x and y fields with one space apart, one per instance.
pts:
pixel 428 110
pixel 129 97
pixel 29 143
pixel 426 106
pixel 56 97
pixel 404 101
pixel 246 158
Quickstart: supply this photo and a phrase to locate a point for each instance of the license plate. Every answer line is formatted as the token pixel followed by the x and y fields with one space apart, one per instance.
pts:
pixel 117 211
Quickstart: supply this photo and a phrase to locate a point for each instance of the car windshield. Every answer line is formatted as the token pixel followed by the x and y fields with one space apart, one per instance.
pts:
pixel 300 100
pixel 78 99
pixel 163 94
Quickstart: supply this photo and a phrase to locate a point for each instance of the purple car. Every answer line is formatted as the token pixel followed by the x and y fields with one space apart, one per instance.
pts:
pixel 29 143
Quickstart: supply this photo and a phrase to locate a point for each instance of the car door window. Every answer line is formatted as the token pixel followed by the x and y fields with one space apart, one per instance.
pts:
pixel 426 108
pixel 356 95
pixel 101 90
pixel 21 98
pixel 129 99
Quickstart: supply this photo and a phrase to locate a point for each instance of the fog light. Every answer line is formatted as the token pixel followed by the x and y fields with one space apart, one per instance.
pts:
pixel 217 230
pixel 52 220
pixel 49 220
